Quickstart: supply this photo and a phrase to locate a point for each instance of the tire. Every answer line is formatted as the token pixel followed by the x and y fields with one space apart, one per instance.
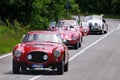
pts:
pixel 80 41
pixel 101 32
pixel 60 67
pixel 16 67
pixel 23 67
pixel 76 46
pixel 66 67
pixel 79 44
pixel 105 32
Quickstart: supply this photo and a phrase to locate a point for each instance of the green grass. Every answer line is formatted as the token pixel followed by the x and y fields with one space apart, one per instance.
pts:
pixel 9 37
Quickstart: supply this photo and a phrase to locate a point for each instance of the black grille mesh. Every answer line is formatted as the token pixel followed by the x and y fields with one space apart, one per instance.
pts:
pixel 37 57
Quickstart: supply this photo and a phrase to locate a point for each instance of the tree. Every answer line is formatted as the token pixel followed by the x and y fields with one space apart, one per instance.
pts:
pixel 116 6
pixel 36 13
pixel 99 6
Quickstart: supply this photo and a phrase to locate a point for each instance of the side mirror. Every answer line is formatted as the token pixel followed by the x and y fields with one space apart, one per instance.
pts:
pixel 104 20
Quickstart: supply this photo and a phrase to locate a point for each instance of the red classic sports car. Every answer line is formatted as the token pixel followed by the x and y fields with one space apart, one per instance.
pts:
pixel 71 37
pixel 40 49
pixel 85 28
pixel 67 23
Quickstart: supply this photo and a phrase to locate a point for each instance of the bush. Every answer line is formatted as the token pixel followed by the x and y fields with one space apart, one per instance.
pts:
pixel 10 35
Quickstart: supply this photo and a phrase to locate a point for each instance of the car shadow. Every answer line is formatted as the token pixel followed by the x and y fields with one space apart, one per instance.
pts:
pixel 71 48
pixel 95 33
pixel 35 72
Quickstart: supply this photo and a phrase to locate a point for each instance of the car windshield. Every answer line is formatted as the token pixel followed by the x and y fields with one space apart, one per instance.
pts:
pixel 42 37
pixel 84 24
pixel 53 23
pixel 67 23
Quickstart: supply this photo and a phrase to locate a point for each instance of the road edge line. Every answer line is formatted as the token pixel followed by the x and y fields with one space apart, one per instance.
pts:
pixel 6 55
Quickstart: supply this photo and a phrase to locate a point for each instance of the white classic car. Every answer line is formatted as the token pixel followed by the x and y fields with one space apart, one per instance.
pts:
pixel 97 24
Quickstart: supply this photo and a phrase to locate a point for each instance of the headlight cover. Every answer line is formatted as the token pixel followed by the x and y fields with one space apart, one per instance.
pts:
pixel 66 36
pixel 74 38
pixel 90 24
pixel 96 24
pixel 45 57
pixel 85 30
pixel 29 57
pixel 62 36
pixel 17 53
pixel 57 53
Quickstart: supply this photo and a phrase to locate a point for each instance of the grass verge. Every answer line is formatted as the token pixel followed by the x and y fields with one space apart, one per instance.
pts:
pixel 9 36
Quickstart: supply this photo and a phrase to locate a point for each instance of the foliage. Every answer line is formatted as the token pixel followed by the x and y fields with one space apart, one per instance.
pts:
pixel 99 6
pixel 116 6
pixel 45 11
pixel 74 7
pixel 36 13
pixel 10 35
pixel 15 15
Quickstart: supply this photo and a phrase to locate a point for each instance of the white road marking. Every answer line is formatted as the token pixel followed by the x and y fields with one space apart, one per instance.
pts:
pixel 34 78
pixel 6 55
pixel 118 27
pixel 94 43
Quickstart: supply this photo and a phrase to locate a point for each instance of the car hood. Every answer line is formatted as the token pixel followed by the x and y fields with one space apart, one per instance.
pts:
pixel 38 46
pixel 69 33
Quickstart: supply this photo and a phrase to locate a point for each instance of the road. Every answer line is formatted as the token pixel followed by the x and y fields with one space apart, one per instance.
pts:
pixel 97 59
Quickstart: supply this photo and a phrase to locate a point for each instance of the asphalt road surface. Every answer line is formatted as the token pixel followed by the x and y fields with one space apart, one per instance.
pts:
pixel 97 59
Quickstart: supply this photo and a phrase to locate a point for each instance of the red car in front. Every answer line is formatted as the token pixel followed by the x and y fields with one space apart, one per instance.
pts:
pixel 40 49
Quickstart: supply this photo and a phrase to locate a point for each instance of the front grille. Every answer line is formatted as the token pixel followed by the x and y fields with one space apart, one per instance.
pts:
pixel 37 57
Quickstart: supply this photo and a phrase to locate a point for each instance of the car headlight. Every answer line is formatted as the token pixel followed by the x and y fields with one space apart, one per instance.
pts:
pixel 45 57
pixel 85 30
pixel 74 38
pixel 29 57
pixel 57 53
pixel 96 24
pixel 62 36
pixel 66 36
pixel 17 53
pixel 90 24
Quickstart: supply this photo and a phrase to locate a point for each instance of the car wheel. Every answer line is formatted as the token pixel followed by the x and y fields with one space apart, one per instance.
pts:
pixel 80 41
pixel 66 67
pixel 80 44
pixel 60 67
pixel 101 32
pixel 16 67
pixel 76 46
pixel 105 32
pixel 23 67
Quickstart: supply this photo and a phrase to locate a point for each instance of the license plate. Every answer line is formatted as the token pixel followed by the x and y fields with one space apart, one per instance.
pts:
pixel 38 66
